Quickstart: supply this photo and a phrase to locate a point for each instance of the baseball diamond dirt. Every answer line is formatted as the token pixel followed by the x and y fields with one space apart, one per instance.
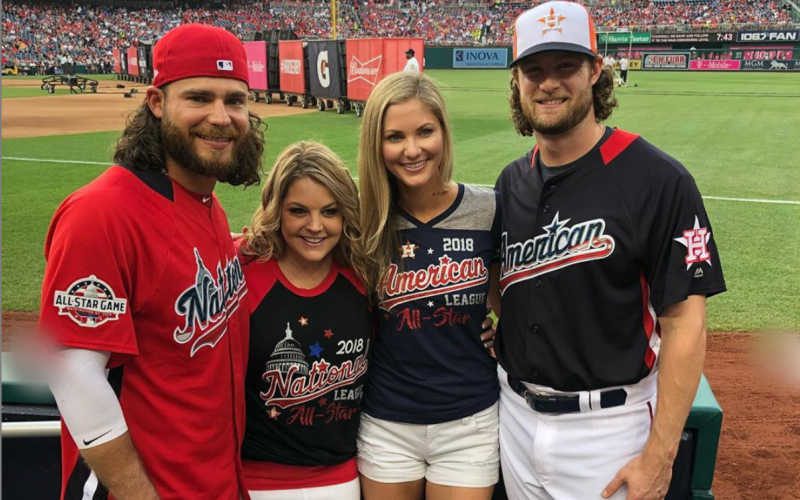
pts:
pixel 759 449
pixel 105 110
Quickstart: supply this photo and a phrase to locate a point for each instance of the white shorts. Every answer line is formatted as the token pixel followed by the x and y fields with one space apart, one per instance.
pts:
pixel 462 452
pixel 571 455
pixel 344 491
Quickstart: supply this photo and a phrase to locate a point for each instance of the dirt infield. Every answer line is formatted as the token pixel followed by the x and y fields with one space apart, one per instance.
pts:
pixel 79 113
pixel 759 450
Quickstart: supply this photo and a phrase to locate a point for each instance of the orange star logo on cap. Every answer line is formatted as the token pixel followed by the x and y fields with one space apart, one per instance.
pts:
pixel 552 22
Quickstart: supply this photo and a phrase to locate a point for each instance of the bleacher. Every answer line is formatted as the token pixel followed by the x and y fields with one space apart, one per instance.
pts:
pixel 41 36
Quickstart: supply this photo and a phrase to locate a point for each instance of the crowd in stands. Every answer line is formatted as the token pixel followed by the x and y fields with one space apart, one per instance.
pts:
pixel 690 15
pixel 50 34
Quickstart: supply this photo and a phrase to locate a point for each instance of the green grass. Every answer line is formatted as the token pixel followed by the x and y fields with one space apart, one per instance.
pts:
pixel 14 92
pixel 736 132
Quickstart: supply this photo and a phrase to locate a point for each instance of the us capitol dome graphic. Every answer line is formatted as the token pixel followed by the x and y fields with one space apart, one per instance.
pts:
pixel 287 353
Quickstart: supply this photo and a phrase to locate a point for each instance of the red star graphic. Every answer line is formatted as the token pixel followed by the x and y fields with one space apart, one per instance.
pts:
pixel 328 333
pixel 303 321
pixel 322 365
pixel 273 413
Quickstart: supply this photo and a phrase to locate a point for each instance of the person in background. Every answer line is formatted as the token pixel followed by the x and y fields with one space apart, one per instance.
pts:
pixel 607 259
pixel 143 291
pixel 310 330
pixel 412 64
pixel 623 69
pixel 429 425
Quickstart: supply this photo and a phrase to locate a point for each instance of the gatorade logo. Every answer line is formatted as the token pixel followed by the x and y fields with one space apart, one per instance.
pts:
pixel 323 69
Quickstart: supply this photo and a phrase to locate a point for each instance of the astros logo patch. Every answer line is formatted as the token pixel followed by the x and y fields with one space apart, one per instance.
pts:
pixel 696 242
pixel 89 302
pixel 552 22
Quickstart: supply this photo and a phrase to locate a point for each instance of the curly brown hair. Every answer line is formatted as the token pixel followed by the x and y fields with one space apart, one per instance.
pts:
pixel 603 100
pixel 141 147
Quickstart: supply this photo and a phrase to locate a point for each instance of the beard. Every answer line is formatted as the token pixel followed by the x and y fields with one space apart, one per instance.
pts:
pixel 241 166
pixel 572 116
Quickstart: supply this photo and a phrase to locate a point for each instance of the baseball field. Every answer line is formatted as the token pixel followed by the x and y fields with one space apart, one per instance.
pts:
pixel 737 133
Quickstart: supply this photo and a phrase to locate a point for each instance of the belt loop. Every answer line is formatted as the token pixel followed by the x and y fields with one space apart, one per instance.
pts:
pixel 585 402
pixel 594 399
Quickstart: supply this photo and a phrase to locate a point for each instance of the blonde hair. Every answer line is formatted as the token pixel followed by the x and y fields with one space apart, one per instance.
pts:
pixel 378 189
pixel 306 159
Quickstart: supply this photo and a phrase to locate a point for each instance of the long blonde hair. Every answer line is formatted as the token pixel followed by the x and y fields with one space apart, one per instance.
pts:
pixel 306 159
pixel 378 189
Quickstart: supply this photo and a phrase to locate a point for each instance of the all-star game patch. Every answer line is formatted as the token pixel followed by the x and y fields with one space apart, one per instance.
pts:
pixel 89 302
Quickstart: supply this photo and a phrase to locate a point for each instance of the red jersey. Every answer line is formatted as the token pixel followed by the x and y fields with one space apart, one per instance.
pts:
pixel 138 266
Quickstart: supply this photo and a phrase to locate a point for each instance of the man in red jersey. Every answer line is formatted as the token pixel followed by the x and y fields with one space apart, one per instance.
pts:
pixel 142 288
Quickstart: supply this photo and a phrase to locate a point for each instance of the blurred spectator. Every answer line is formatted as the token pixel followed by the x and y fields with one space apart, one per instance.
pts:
pixel 43 36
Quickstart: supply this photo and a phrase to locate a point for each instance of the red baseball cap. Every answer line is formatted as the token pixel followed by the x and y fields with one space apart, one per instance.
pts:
pixel 193 50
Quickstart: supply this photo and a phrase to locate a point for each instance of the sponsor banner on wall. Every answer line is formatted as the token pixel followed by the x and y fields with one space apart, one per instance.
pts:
pixel 769 36
pixel 370 59
pixel 292 74
pixel 117 57
pixel 256 64
pixel 480 58
pixel 715 64
pixel 694 37
pixel 326 72
pixel 666 60
pixel 133 61
pixel 771 65
pixel 624 37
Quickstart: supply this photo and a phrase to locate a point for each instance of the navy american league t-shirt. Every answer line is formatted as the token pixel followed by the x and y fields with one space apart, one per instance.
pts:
pixel 429 364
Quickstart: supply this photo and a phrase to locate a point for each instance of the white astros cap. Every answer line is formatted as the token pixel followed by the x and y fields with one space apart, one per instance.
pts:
pixel 554 25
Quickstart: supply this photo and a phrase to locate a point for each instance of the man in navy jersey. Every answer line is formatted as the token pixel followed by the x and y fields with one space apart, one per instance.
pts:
pixel 607 259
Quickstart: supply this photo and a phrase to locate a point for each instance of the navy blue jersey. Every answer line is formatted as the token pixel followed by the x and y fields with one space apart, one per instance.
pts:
pixel 307 366
pixel 429 364
pixel 592 257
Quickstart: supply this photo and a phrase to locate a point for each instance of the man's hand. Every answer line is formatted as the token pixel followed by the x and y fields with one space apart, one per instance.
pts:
pixel 683 345
pixel 646 478
pixel 487 337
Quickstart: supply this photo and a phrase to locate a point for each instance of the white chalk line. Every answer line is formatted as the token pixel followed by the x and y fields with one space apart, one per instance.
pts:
pixel 720 198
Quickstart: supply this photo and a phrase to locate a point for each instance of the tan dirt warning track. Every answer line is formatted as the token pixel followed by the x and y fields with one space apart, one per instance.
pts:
pixel 106 110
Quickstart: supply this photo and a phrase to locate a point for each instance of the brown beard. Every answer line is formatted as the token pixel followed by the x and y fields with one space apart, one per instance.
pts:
pixel 243 167
pixel 573 117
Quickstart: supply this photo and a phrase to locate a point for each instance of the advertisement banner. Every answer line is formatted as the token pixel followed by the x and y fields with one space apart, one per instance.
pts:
pixel 115 54
pixel 145 60
pixel 123 60
pixel 715 64
pixel 256 64
pixel 769 36
pixel 133 61
pixel 370 59
pixel 292 76
pixel 694 37
pixel 666 60
pixel 771 65
pixel 480 58
pixel 326 69
pixel 624 37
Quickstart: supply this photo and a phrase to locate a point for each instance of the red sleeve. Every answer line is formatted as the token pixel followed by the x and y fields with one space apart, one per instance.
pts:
pixel 260 277
pixel 86 291
pixel 353 278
